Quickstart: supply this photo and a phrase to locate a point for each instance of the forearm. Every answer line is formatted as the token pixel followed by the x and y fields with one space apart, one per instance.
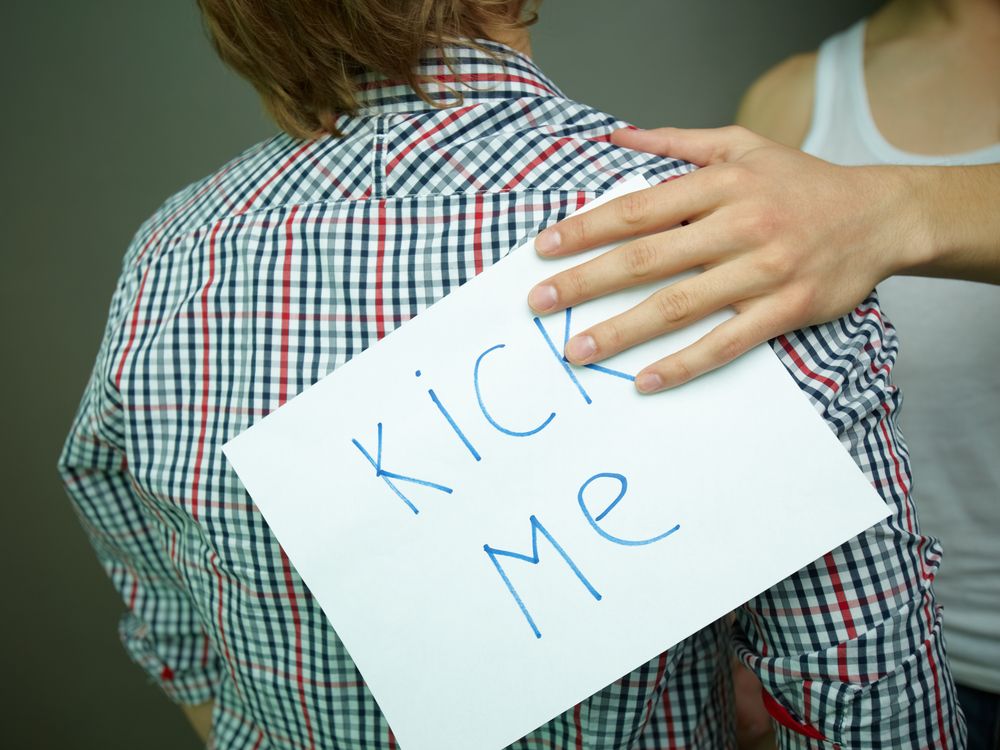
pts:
pixel 951 221
pixel 200 717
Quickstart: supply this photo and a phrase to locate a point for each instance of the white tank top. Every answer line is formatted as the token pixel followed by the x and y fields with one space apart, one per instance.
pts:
pixel 949 373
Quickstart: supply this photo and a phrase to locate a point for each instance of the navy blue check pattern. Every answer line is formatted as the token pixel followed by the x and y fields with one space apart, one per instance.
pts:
pixel 252 284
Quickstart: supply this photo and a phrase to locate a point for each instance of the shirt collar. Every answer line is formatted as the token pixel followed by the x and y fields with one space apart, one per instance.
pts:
pixel 495 72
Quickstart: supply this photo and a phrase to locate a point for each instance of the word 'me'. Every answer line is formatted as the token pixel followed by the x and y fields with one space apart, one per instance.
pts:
pixel 393 479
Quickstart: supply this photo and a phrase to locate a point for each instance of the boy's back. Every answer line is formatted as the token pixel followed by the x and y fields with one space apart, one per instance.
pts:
pixel 249 286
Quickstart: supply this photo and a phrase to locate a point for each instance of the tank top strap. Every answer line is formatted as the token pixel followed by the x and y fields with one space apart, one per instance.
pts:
pixel 839 105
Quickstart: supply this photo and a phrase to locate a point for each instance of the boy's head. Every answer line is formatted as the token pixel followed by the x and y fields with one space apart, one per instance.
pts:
pixel 304 56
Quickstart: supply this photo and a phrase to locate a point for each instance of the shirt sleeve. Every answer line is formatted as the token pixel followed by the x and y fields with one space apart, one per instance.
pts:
pixel 850 650
pixel 161 629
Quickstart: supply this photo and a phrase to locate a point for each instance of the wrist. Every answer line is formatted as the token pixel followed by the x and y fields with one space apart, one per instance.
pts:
pixel 925 217
pixel 904 207
pixel 953 225
pixel 928 221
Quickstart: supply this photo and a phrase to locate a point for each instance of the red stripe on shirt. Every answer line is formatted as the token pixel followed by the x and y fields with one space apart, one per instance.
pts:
pixel 542 157
pixel 293 606
pixel 905 490
pixel 379 260
pixel 463 78
pixel 288 162
pixel 293 602
pixel 897 466
pixel 781 715
pixel 425 134
pixel 845 614
pixel 286 294
pixel 477 234
pixel 206 382
pixel 804 368
pixel 661 668
pixel 943 735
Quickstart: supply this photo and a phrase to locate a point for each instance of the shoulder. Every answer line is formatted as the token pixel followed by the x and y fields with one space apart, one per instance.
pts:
pixel 779 103
pixel 211 198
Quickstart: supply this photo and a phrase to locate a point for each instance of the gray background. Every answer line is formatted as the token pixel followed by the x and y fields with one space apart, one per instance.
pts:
pixel 109 107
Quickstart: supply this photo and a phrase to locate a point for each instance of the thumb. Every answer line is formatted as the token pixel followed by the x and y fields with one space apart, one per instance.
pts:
pixel 699 146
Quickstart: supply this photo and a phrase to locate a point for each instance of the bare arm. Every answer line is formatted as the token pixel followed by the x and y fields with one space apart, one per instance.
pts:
pixel 200 717
pixel 958 212
pixel 953 209
pixel 779 103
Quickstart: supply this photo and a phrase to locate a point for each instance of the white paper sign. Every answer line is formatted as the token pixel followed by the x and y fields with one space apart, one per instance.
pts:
pixel 495 535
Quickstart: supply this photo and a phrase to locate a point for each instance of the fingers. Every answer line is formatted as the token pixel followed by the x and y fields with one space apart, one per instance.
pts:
pixel 657 256
pixel 642 212
pixel 675 306
pixel 718 347
pixel 699 146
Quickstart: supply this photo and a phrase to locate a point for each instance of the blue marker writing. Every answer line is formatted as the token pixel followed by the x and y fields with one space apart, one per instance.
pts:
pixel 389 476
pixel 596 368
pixel 486 412
pixel 536 528
pixel 595 522
pixel 560 357
pixel 452 423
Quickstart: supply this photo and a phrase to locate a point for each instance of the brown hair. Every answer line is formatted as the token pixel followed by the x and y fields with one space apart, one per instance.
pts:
pixel 304 56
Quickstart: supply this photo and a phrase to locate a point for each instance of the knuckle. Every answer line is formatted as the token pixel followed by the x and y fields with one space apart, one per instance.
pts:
pixel 730 177
pixel 763 225
pixel 774 265
pixel 799 305
pixel 728 348
pixel 639 258
pixel 572 286
pixel 576 230
pixel 611 336
pixel 673 306
pixel 680 370
pixel 632 208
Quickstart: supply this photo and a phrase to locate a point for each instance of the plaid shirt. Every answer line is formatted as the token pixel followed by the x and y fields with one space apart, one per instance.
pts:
pixel 256 282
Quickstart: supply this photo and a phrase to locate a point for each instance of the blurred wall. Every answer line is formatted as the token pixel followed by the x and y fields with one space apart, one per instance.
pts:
pixel 112 105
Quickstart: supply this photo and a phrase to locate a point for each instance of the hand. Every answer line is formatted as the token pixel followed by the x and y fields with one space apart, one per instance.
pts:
pixel 785 239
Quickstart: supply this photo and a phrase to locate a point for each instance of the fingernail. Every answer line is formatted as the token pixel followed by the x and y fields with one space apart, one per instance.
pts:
pixel 649 382
pixel 548 242
pixel 542 298
pixel 579 348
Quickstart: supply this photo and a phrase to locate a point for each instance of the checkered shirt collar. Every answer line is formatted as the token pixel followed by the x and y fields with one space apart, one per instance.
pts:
pixel 495 72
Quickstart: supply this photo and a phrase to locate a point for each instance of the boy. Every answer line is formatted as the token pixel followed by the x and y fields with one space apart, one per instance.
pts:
pixel 414 158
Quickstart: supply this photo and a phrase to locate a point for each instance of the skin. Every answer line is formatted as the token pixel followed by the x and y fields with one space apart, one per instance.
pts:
pixel 200 718
pixel 787 240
